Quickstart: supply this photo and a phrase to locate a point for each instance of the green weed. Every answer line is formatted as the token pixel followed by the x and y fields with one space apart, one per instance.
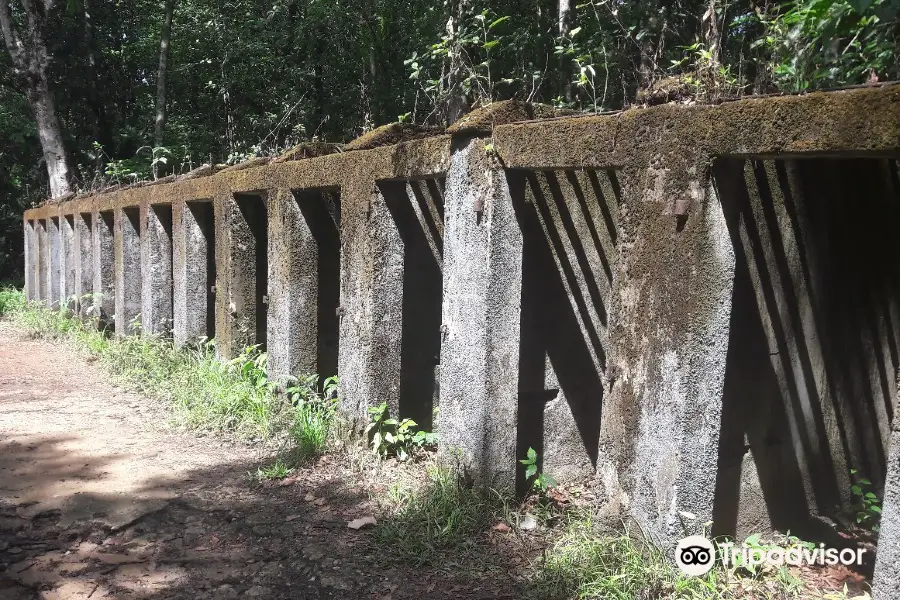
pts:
pixel 587 562
pixel 11 300
pixel 441 516
pixel 277 470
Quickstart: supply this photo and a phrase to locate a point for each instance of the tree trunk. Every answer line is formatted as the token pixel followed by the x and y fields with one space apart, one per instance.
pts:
pixel 159 130
pixel 565 25
pixel 30 60
pixel 455 100
pixel 711 33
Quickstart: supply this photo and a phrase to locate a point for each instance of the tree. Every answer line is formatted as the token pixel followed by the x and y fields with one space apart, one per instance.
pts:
pixel 164 39
pixel 30 60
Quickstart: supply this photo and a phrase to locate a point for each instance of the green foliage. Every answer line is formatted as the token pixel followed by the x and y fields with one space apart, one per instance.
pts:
pixel 442 516
pixel 390 437
pixel 315 413
pixel 866 503
pixel 827 43
pixel 277 470
pixel 587 562
pixel 12 300
pixel 540 481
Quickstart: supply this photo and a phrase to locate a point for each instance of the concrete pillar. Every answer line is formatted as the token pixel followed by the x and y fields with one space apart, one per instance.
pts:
pixel 194 273
pixel 371 301
pixel 128 269
pixel 242 312
pixel 84 264
pixel 293 285
pixel 68 297
pixel 886 583
pixel 103 266
pixel 156 269
pixel 481 314
pixel 55 271
pixel 43 262
pixel 31 258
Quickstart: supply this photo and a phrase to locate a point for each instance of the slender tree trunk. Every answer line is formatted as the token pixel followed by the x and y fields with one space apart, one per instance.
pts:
pixel 711 32
pixel 455 101
pixel 30 60
pixel 565 25
pixel 159 130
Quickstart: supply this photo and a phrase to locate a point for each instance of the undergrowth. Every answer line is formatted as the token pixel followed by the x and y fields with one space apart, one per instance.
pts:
pixel 442 516
pixel 205 394
pixel 588 562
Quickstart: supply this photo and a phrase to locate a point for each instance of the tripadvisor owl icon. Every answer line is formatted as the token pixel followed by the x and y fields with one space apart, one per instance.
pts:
pixel 695 555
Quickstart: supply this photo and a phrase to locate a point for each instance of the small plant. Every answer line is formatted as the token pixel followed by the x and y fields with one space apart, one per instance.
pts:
pixel 11 300
pixel 443 516
pixel 393 437
pixel 314 414
pixel 866 504
pixel 277 470
pixel 540 481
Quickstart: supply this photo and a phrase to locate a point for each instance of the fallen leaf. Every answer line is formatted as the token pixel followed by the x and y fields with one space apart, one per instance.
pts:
pixel 319 501
pixel 362 522
pixel 292 517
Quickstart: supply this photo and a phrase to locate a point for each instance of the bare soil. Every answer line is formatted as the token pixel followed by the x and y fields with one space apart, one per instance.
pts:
pixel 99 498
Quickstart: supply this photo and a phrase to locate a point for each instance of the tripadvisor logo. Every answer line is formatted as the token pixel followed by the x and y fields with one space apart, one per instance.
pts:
pixel 695 555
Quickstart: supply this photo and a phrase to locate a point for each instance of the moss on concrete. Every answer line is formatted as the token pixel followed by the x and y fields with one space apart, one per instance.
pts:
pixel 481 121
pixel 392 133
pixel 308 150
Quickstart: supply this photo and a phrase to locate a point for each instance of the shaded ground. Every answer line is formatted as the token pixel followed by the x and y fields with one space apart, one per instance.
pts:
pixel 99 499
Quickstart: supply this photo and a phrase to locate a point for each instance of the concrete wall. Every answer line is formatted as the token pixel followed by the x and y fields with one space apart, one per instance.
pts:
pixel 695 308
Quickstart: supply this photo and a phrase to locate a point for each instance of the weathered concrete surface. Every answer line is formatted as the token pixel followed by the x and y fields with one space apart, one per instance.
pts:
pixel 304 283
pixel 31 260
pixel 70 261
pixel 127 270
pixel 193 248
pixel 84 264
pixel 103 264
pixel 156 269
pixel 55 265
pixel 886 584
pixel 481 313
pixel 247 241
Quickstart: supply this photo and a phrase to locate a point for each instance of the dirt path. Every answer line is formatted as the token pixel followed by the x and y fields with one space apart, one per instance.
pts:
pixel 98 499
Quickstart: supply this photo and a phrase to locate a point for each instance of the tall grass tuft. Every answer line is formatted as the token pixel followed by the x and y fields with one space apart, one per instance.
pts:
pixel 441 516
pixel 588 562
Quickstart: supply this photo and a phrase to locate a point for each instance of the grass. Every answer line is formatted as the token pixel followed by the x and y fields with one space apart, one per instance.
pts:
pixel 586 562
pixel 205 394
pixel 440 517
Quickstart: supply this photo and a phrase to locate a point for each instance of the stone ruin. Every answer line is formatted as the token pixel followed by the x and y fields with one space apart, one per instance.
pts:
pixel 697 307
